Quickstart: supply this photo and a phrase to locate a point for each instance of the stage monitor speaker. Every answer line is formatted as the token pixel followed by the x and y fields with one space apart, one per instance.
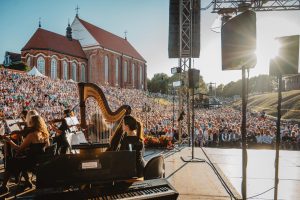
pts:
pixel 194 78
pixel 174 29
pixel 238 40
pixel 287 61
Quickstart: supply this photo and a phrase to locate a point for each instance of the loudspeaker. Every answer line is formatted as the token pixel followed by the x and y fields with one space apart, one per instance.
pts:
pixel 174 29
pixel 194 78
pixel 287 61
pixel 238 40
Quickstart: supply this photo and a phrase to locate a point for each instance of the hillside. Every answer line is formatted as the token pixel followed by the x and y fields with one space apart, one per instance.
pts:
pixel 290 106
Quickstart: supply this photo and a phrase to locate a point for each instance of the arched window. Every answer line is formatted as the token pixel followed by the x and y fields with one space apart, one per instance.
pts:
pixel 65 70
pixel 53 68
pixel 117 71
pixel 82 73
pixel 133 80
pixel 106 69
pixel 141 76
pixel 74 71
pixel 125 72
pixel 28 62
pixel 41 64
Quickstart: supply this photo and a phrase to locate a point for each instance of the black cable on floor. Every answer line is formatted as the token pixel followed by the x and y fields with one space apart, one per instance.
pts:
pixel 226 187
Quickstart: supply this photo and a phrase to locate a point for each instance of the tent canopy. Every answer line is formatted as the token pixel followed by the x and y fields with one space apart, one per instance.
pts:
pixel 35 72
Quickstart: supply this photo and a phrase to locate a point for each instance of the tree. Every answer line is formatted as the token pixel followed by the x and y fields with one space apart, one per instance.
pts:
pixel 219 90
pixel 159 83
pixel 202 85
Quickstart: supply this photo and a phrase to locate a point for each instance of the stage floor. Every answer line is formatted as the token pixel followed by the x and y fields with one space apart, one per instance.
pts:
pixel 193 180
pixel 261 171
pixel 197 180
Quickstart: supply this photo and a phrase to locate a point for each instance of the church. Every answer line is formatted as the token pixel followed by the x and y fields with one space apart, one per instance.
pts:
pixel 86 53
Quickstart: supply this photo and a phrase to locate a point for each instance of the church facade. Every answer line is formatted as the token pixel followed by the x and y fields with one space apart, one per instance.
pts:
pixel 88 54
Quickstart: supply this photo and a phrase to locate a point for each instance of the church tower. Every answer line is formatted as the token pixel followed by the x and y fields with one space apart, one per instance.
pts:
pixel 69 32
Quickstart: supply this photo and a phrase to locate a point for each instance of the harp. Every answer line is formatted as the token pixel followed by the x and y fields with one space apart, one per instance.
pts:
pixel 101 124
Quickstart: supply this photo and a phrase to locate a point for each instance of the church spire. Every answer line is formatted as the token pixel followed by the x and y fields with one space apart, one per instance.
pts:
pixel 125 34
pixel 40 24
pixel 77 8
pixel 69 31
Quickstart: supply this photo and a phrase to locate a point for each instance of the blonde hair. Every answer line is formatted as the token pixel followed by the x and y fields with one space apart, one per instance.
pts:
pixel 38 124
pixel 29 115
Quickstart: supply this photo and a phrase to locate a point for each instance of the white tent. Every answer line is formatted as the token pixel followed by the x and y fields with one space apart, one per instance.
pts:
pixel 72 81
pixel 35 72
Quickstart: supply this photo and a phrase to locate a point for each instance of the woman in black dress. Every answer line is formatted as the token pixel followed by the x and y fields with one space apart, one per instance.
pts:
pixel 34 144
pixel 133 140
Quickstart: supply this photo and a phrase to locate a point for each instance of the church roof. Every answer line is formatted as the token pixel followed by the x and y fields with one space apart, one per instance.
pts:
pixel 111 41
pixel 47 40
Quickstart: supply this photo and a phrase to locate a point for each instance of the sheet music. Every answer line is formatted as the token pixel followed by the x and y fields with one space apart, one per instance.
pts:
pixel 72 121
pixel 12 124
pixel 74 139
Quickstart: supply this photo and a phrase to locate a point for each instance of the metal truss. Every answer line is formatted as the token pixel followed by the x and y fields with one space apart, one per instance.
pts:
pixel 255 5
pixel 185 28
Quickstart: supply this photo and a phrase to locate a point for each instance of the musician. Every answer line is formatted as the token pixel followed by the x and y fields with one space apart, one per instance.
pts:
pixel 34 144
pixel 26 117
pixel 61 133
pixel 133 140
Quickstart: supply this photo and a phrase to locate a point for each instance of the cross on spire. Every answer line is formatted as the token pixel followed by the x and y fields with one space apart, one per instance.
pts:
pixel 77 8
pixel 40 25
pixel 125 33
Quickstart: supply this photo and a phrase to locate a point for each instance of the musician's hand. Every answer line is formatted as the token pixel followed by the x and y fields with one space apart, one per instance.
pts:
pixel 5 138
pixel 58 132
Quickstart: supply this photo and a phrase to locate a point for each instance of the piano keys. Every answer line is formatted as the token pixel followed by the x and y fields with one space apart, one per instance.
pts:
pixel 149 189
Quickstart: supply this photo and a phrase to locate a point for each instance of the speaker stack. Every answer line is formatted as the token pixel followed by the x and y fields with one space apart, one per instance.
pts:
pixel 174 29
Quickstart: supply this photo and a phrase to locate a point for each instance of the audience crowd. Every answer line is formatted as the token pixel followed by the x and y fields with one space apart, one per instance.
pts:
pixel 219 127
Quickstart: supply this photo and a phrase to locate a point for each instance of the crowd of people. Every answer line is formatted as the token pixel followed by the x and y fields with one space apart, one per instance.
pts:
pixel 19 91
pixel 213 127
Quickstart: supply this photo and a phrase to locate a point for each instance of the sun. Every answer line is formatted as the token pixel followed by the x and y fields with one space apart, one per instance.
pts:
pixel 268 49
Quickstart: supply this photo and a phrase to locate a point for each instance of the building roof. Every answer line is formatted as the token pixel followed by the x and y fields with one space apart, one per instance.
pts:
pixel 111 41
pixel 47 40
pixel 14 57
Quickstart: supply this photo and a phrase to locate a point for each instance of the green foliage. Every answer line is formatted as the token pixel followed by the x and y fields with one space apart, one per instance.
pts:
pixel 257 84
pixel 159 83
pixel 162 82
pixel 202 85
pixel 19 66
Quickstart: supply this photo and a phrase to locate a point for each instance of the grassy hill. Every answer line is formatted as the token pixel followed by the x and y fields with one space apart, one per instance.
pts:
pixel 290 107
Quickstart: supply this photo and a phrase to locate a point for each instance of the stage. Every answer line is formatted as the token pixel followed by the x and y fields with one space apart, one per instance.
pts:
pixel 198 181
pixel 193 180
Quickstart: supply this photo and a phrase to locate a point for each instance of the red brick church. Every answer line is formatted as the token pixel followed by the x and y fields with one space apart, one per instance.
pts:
pixel 87 53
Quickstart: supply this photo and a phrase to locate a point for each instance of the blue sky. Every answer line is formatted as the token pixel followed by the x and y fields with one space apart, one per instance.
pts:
pixel 146 22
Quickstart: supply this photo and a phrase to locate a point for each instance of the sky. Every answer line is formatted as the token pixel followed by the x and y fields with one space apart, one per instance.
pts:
pixel 147 25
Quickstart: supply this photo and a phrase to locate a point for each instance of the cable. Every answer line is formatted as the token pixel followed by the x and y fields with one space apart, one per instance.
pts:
pixel 260 193
pixel 226 187
pixel 223 182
